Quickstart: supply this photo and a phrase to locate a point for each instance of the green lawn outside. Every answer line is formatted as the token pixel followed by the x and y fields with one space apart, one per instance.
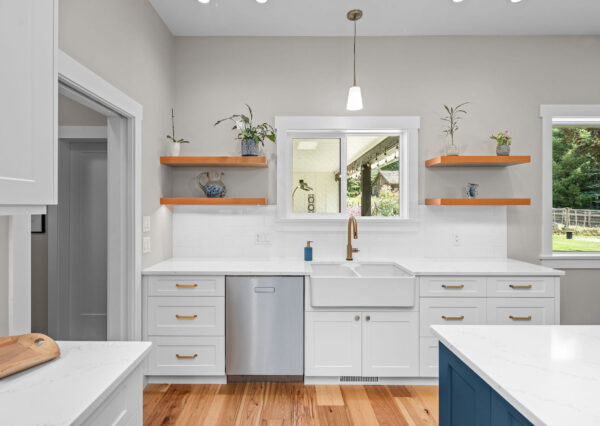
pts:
pixel 560 243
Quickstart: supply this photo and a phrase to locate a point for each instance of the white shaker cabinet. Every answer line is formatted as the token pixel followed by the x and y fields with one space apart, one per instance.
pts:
pixel 28 102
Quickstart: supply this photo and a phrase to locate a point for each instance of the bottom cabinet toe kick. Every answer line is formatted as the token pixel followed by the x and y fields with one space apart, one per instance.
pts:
pixel 184 317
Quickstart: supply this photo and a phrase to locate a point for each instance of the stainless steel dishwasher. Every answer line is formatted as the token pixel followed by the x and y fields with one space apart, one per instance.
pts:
pixel 264 326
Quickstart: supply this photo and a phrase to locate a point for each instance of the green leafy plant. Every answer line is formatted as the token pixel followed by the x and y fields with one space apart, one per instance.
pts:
pixel 502 138
pixel 247 130
pixel 172 137
pixel 452 119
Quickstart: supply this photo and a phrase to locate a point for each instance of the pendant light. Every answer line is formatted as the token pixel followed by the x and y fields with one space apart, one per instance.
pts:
pixel 355 102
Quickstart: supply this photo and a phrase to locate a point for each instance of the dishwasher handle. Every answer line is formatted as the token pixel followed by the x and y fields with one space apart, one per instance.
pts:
pixel 264 289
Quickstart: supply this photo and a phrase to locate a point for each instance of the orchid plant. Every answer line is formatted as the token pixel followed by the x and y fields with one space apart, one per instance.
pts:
pixel 502 138
pixel 172 136
pixel 248 131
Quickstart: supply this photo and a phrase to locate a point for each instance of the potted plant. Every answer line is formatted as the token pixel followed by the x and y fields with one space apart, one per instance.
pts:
pixel 248 133
pixel 504 141
pixel 452 119
pixel 175 144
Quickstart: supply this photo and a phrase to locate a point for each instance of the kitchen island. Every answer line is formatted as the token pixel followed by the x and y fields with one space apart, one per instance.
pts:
pixel 92 383
pixel 506 375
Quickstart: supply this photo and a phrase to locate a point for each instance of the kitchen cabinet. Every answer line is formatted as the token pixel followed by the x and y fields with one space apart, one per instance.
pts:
pixel 371 343
pixel 28 83
pixel 333 344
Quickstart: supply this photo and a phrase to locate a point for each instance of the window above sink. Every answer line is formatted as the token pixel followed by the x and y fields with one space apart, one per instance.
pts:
pixel 329 168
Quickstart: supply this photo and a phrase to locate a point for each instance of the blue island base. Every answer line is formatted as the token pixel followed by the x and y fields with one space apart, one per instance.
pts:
pixel 467 400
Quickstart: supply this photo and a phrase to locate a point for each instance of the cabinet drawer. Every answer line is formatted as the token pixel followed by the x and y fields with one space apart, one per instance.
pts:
pixel 450 311
pixel 186 316
pixel 429 348
pixel 186 286
pixel 452 286
pixel 187 356
pixel 525 311
pixel 520 287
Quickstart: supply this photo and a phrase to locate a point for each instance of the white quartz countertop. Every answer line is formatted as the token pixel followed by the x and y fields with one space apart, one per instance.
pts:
pixel 285 266
pixel 551 374
pixel 66 390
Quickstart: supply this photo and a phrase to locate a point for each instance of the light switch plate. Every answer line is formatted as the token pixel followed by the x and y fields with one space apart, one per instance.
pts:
pixel 146 224
pixel 146 245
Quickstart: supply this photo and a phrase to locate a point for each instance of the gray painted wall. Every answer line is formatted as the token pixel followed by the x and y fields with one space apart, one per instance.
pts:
pixel 127 44
pixel 505 79
pixel 71 113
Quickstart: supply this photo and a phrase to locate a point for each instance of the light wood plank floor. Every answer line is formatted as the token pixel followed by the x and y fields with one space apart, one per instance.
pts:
pixel 289 404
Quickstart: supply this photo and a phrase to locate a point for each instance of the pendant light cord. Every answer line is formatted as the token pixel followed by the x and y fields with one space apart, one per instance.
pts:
pixel 354 53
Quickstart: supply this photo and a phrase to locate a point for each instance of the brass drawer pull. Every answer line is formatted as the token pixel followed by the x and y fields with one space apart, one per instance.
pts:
pixel 186 285
pixel 186 356
pixel 520 318
pixel 520 287
pixel 186 316
pixel 460 318
pixel 448 287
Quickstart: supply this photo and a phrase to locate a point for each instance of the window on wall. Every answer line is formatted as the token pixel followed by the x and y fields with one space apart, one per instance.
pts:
pixel 334 167
pixel 575 188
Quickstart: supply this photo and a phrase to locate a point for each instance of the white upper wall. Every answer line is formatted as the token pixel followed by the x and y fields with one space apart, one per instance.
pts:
pixel 381 17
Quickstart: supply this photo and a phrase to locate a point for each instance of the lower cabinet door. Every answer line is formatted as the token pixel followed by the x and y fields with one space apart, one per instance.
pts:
pixel 428 357
pixel 390 344
pixel 187 356
pixel 333 344
pixel 504 414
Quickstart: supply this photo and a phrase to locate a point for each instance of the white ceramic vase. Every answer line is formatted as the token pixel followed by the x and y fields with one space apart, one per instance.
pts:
pixel 174 149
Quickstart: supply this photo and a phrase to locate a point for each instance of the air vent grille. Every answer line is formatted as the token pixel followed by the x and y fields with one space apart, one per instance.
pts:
pixel 358 379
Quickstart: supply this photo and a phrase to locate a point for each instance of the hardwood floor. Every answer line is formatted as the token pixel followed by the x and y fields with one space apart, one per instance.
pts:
pixel 289 404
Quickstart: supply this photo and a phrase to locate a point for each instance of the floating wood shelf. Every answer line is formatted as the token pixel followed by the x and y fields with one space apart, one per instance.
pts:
pixel 214 161
pixel 214 201
pixel 478 201
pixel 477 160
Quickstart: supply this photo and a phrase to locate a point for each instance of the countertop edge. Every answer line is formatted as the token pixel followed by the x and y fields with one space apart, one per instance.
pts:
pixel 84 415
pixel 489 380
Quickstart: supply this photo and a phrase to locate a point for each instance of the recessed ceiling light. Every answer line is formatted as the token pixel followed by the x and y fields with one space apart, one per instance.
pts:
pixel 261 1
pixel 204 1
pixel 457 1
pixel 515 1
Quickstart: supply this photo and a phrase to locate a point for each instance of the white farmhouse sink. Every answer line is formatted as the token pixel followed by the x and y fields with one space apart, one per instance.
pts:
pixel 361 285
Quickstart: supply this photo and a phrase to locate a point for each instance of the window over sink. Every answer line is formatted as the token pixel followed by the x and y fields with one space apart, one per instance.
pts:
pixel 334 167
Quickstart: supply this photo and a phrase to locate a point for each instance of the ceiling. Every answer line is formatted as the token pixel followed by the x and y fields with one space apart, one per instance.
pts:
pixel 381 17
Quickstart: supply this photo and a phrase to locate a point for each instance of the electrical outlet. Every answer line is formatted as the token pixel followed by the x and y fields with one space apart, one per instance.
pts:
pixel 146 224
pixel 456 240
pixel 146 245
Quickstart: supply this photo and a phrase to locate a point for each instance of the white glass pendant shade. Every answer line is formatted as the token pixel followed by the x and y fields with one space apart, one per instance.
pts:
pixel 355 102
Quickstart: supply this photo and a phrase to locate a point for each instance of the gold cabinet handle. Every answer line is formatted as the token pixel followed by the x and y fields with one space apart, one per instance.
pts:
pixel 186 285
pixel 520 287
pixel 460 318
pixel 186 356
pixel 449 287
pixel 356 318
pixel 520 318
pixel 368 317
pixel 185 316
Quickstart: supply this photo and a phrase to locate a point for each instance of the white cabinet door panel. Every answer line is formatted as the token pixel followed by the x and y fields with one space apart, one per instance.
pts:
pixel 186 285
pixel 520 287
pixel 175 356
pixel 186 316
pixel 389 343
pixel 429 356
pixel 451 311
pixel 452 286
pixel 333 344
pixel 28 99
pixel 521 311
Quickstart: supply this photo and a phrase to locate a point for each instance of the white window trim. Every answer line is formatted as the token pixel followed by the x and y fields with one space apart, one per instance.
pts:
pixel 563 115
pixel 288 127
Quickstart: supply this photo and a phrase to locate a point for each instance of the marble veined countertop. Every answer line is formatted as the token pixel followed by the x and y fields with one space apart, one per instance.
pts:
pixel 550 373
pixel 69 388
pixel 286 266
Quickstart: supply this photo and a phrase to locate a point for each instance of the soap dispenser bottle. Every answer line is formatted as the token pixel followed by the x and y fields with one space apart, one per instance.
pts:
pixel 308 251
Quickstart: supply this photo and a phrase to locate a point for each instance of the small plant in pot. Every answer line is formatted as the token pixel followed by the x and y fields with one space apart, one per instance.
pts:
pixel 248 133
pixel 174 143
pixel 452 119
pixel 504 141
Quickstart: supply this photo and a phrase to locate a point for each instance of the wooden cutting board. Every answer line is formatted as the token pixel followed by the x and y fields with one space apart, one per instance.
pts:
pixel 18 353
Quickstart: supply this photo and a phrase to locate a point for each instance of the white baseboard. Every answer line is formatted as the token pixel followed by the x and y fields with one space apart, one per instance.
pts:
pixel 200 380
pixel 403 381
